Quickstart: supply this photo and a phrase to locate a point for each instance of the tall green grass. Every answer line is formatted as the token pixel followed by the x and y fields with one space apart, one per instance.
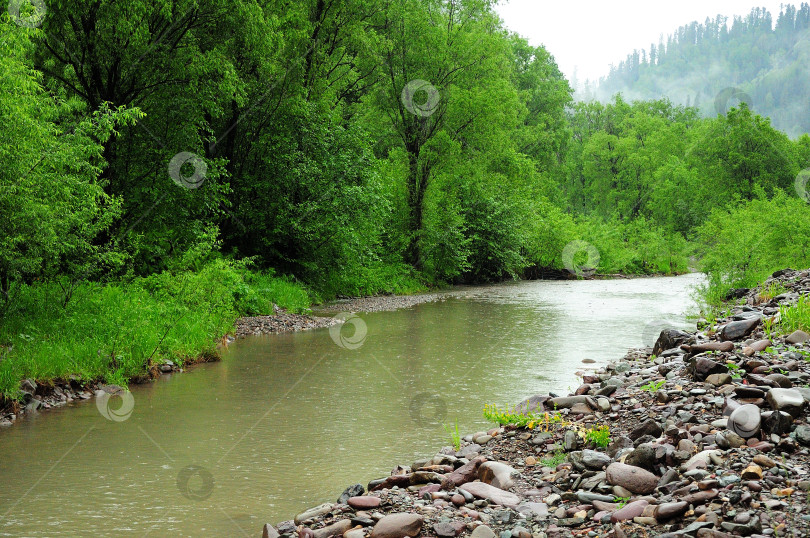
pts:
pixel 114 332
pixel 796 317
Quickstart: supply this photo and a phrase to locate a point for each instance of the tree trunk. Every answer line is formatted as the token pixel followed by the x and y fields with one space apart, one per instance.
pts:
pixel 417 185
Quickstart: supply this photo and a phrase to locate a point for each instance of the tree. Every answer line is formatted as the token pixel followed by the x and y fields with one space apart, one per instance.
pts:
pixel 54 207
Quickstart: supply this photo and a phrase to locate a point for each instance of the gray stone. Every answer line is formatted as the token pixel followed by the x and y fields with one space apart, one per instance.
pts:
pixel 269 531
pixel 788 400
pixel 618 444
pixel 570 440
pixel 531 509
pixel 444 529
pixel 595 460
pixel 803 434
pixel 776 422
pixel 718 379
pixel 588 497
pixel 733 439
pixel 745 421
pixel 28 386
pixel 668 339
pixel 604 404
pixel 643 456
pixel 568 402
pixel 532 404
pixel 739 329
pixel 797 337
pixel 313 513
pixel 352 491
pixel 648 427
pixel 701 459
pixel 700 368
pixel 782 380
pixel 482 531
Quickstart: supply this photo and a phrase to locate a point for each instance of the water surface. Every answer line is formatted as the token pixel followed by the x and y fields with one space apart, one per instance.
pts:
pixel 286 422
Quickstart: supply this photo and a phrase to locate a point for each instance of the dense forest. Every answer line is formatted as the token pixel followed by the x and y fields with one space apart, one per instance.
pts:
pixel 168 166
pixel 714 65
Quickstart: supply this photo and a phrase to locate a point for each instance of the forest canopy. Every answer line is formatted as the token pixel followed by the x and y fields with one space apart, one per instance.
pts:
pixel 288 152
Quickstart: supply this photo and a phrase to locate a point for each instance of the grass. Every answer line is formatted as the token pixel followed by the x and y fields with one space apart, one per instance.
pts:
pixel 796 317
pixel 771 290
pixel 455 436
pixel 115 332
pixel 553 461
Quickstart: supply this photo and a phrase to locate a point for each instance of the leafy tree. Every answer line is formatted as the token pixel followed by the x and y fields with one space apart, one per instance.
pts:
pixel 53 204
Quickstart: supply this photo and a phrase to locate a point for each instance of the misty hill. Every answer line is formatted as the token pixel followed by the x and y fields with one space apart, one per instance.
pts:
pixel 716 64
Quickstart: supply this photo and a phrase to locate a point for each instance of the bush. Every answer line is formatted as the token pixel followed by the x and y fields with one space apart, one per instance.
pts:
pixel 742 245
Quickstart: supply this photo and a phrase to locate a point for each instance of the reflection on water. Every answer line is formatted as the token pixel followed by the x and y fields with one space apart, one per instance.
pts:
pixel 288 421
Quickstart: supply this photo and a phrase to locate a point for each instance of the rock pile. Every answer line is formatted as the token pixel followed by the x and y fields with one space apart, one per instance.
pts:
pixel 709 437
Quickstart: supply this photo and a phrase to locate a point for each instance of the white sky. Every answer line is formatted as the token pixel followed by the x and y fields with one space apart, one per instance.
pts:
pixel 592 34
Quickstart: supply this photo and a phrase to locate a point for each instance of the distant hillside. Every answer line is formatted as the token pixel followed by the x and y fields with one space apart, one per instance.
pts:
pixel 716 64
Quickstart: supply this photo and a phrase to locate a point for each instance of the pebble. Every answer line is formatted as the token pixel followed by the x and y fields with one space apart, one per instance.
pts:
pixel 634 479
pixel 364 502
pixel 745 421
pixel 398 526
pixel 482 531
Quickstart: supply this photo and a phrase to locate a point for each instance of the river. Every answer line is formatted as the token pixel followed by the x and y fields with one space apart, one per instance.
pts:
pixel 285 422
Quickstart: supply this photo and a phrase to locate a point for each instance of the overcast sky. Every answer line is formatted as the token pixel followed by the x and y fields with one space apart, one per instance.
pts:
pixel 591 34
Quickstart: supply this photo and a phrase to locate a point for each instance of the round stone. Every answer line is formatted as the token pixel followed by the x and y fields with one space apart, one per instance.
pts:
pixel 745 421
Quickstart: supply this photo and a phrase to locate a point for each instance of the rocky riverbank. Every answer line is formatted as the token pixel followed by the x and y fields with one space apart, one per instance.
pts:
pixel 281 322
pixel 381 303
pixel 709 437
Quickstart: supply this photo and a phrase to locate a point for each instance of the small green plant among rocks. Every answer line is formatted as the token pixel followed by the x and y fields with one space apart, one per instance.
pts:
pixel 653 386
pixel 554 460
pixel 621 501
pixel 544 421
pixel 455 436
pixel 734 370
pixel 598 435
